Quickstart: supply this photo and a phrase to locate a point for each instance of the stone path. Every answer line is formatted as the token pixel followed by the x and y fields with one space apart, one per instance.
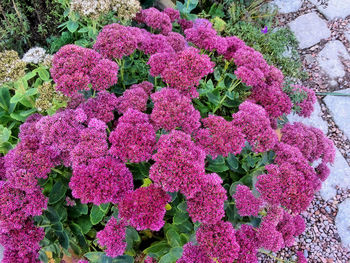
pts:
pixel 323 32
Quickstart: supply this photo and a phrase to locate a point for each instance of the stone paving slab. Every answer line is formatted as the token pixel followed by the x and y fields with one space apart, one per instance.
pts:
pixel 329 59
pixel 288 6
pixel 334 9
pixel 342 222
pixel 339 108
pixel 309 29
pixel 339 176
pixel 314 120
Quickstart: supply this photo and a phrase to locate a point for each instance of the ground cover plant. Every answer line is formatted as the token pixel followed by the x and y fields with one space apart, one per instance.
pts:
pixel 167 147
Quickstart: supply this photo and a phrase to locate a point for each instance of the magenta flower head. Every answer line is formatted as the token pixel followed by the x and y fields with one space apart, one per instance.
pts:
pixel 176 41
pixel 233 44
pixel 247 204
pixel 112 237
pixel 218 241
pixel 172 13
pixel 246 237
pixel 100 107
pixel 194 254
pixel 207 205
pixel 255 125
pixel 104 75
pixel 172 110
pixel 115 41
pixel 134 138
pixel 145 85
pixel 264 30
pixel 103 180
pixel 155 19
pixel 134 98
pixel 145 208
pixel 178 162
pixel 152 44
pixel 220 138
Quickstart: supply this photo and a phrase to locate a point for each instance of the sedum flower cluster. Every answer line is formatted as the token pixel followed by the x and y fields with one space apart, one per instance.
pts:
pixel 36 55
pixel 163 127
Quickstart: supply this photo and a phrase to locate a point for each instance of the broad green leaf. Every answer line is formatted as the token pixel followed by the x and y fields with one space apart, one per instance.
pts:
pixel 5 98
pixel 16 98
pixel 97 213
pixel 78 210
pixel 31 92
pixel 132 238
pixel 26 113
pixel 43 74
pixel 180 217
pixel 232 162
pixel 58 192
pixel 63 239
pixel 173 255
pixel 84 223
pixel 72 26
pixel 4 134
pixel 78 232
pixel 173 238
pixel 157 249
pixel 52 214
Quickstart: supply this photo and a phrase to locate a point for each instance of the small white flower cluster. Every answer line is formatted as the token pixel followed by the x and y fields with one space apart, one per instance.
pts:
pixel 124 9
pixel 35 55
pixel 90 8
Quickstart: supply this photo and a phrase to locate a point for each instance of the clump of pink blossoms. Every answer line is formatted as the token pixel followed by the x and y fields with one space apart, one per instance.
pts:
pixel 112 237
pixel 207 205
pixel 218 241
pixel 145 208
pixel 254 123
pixel 307 105
pixel 135 98
pixel 246 203
pixel 178 162
pixel 134 138
pixel 220 137
pixel 155 19
pixel 103 180
pixel 75 67
pixel 194 254
pixel 172 110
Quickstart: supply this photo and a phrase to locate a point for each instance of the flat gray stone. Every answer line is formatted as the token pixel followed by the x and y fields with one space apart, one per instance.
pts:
pixel 330 57
pixel 339 176
pixel 314 120
pixel 340 110
pixel 1 253
pixel 288 6
pixel 342 222
pixel 309 29
pixel 334 9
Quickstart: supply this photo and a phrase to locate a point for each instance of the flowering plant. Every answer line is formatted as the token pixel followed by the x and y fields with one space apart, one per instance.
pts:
pixel 179 163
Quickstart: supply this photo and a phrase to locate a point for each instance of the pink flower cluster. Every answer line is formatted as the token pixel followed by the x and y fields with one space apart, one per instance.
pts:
pixel 254 123
pixel 220 137
pixel 75 67
pixel 182 70
pixel 194 254
pixel 246 203
pixel 134 138
pixel 102 180
pixel 157 20
pixel 116 41
pixel 307 105
pixel 145 208
pixel 178 162
pixel 112 237
pixel 172 110
pixel 218 241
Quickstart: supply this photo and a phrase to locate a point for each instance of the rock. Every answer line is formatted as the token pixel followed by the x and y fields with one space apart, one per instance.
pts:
pixel 309 29
pixel 340 109
pixel 329 59
pixel 314 120
pixel 334 8
pixel 309 59
pixel 288 6
pixel 1 253
pixel 342 222
pixel 339 176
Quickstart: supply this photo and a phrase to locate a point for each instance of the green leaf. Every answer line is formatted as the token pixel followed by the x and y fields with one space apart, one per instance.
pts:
pixel 83 30
pixel 214 97
pixel 4 134
pixel 43 74
pixel 17 117
pixel 182 206
pixel 26 113
pixel 217 168
pixel 132 238
pixel 78 232
pixel 157 249
pixel 31 92
pixel 78 210
pixel 5 98
pixel 72 26
pixel 16 98
pixel 84 223
pixel 232 162
pixel 173 238
pixel 233 187
pixel 63 239
pixel 97 213
pixel 58 192
pixel 52 214
pixel 173 255
pixel 180 217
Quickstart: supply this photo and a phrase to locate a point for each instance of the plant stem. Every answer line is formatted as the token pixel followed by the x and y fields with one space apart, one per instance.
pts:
pixel 332 94
pixel 232 87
